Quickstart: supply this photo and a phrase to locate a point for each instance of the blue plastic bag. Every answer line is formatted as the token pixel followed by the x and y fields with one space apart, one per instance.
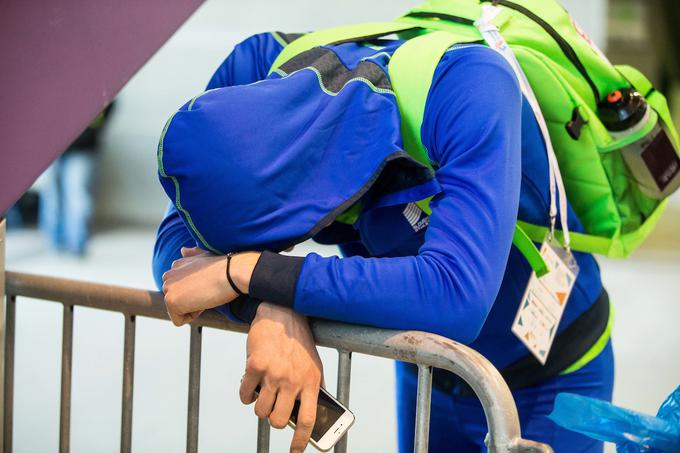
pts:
pixel 631 431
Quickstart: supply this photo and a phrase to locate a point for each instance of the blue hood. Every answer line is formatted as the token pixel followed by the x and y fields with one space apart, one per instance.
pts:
pixel 268 165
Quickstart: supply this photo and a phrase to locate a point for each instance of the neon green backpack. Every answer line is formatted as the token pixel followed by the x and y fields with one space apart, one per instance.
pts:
pixel 616 179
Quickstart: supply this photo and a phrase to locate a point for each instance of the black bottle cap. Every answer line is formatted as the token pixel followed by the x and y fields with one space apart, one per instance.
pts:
pixel 622 109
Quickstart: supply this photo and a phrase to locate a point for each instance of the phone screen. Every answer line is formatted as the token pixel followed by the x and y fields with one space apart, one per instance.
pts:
pixel 327 413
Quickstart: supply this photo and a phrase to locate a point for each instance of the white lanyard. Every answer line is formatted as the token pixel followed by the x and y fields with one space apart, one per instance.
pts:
pixel 493 38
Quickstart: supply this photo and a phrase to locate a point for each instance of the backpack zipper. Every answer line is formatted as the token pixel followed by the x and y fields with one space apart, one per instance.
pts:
pixel 566 48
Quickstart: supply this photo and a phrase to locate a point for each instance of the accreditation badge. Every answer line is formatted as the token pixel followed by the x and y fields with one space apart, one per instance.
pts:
pixel 545 299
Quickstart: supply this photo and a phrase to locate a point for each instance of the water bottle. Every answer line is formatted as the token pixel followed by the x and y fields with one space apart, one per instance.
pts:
pixel 647 149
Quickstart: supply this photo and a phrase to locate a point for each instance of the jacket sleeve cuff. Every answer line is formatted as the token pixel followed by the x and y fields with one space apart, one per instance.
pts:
pixel 275 277
pixel 243 309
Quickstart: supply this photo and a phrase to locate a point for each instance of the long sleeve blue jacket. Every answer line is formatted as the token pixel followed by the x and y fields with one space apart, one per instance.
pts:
pixel 455 272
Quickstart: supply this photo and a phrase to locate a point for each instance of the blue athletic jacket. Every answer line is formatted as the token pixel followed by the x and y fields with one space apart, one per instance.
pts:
pixel 455 272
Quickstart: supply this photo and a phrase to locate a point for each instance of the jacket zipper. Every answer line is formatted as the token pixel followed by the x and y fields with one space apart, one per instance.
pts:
pixel 566 48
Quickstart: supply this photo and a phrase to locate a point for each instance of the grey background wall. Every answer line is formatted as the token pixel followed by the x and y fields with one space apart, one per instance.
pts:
pixel 128 190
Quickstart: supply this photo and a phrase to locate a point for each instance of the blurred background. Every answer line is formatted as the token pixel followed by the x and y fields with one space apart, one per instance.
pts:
pixel 120 162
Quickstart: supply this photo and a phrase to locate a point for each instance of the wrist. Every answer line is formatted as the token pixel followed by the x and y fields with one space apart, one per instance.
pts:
pixel 270 311
pixel 241 270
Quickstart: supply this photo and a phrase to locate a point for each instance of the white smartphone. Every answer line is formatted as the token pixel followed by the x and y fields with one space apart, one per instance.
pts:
pixel 332 420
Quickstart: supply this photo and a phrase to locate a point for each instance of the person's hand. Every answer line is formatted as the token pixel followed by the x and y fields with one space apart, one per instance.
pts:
pixel 198 281
pixel 282 359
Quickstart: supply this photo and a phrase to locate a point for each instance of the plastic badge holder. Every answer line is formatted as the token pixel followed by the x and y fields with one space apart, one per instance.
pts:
pixel 631 431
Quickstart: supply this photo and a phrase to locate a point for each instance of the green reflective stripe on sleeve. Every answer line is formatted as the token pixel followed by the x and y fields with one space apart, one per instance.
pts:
pixel 331 35
pixel 529 251
pixel 596 348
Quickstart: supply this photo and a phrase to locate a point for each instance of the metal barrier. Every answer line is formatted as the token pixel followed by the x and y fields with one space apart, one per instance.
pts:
pixel 426 350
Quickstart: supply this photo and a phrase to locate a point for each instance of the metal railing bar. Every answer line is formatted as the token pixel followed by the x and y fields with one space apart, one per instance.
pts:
pixel 263 429
pixel 140 302
pixel 66 366
pixel 408 346
pixel 194 387
pixel 438 352
pixel 10 328
pixel 342 392
pixel 128 383
pixel 423 399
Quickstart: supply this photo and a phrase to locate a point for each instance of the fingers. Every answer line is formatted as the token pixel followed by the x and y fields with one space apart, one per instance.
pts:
pixel 285 400
pixel 305 420
pixel 176 318
pixel 265 401
pixel 191 317
pixel 179 319
pixel 248 384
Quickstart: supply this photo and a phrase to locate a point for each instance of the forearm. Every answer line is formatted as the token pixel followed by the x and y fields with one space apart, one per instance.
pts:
pixel 431 293
pixel 447 289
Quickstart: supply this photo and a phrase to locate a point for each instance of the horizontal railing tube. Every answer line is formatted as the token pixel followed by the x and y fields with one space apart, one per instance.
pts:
pixel 415 347
pixel 106 297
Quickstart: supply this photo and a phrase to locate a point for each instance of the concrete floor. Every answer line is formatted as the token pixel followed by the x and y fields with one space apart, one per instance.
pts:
pixel 647 339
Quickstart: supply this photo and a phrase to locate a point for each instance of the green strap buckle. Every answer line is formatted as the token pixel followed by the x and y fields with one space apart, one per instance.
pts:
pixel 526 246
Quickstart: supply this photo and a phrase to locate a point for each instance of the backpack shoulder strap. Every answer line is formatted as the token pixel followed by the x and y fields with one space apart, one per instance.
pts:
pixel 411 70
pixel 366 31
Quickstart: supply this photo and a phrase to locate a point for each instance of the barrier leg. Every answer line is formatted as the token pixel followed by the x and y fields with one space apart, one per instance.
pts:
pixel 424 397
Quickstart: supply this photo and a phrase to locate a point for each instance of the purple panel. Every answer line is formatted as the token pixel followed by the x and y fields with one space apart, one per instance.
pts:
pixel 62 61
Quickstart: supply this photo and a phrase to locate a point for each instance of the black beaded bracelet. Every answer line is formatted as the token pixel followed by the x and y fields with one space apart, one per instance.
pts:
pixel 231 282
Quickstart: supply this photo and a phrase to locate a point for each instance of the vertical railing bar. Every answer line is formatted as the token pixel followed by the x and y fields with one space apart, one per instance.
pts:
pixel 424 396
pixel 344 375
pixel 66 363
pixel 128 383
pixel 263 435
pixel 8 404
pixel 194 388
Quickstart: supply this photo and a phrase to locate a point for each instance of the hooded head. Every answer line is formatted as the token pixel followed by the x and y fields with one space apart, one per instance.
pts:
pixel 268 165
